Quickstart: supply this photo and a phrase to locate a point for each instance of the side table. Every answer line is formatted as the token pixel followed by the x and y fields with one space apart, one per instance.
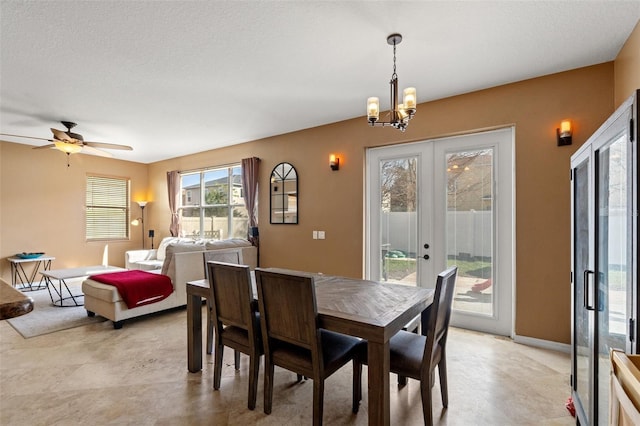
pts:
pixel 19 275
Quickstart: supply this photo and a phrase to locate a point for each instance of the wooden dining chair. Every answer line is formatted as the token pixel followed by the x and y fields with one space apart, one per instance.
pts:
pixel 416 356
pixel 293 339
pixel 236 319
pixel 232 255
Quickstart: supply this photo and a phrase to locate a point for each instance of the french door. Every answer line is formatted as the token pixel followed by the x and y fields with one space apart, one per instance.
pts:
pixel 444 202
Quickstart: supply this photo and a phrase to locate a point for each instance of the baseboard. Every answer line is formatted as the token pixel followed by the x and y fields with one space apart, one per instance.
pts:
pixel 544 344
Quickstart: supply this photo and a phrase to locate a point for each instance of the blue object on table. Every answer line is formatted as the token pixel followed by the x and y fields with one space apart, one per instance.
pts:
pixel 29 255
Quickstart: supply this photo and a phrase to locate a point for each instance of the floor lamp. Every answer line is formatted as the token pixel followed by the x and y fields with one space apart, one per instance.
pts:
pixel 140 220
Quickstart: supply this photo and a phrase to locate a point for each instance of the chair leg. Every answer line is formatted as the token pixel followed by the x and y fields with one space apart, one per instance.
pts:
pixel 442 372
pixel 209 327
pixel 427 407
pixel 268 386
pixel 357 386
pixel 217 365
pixel 318 401
pixel 236 358
pixel 254 368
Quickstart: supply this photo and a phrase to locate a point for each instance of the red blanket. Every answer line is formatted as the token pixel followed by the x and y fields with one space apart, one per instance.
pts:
pixel 136 287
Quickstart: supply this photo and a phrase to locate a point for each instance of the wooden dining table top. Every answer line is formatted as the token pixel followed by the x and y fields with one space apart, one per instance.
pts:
pixel 369 309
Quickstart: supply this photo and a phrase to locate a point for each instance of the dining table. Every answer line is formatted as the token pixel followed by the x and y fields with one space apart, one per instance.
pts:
pixel 367 309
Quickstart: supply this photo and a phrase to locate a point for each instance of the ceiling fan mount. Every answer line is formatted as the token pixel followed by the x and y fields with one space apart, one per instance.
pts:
pixel 70 125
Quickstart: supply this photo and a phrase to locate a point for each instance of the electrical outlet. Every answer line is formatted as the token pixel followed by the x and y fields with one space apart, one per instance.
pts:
pixel 315 235
pixel 321 235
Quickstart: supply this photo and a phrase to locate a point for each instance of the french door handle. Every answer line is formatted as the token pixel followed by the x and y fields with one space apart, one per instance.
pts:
pixel 587 285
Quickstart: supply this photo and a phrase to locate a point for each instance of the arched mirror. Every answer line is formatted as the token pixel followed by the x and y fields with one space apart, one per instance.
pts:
pixel 284 194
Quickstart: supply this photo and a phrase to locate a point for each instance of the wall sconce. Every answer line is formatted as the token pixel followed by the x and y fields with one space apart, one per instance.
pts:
pixel 334 162
pixel 564 133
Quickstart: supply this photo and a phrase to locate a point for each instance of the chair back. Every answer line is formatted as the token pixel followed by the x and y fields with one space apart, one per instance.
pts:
pixel 231 255
pixel 438 323
pixel 232 296
pixel 288 309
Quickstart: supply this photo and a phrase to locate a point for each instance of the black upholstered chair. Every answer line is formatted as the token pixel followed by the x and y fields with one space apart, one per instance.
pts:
pixel 293 340
pixel 416 356
pixel 236 320
pixel 232 255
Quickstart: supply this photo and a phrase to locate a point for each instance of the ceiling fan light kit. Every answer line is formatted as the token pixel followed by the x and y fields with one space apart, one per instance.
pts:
pixel 73 143
pixel 400 114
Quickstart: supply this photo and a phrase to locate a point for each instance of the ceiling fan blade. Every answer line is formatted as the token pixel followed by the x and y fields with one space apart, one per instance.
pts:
pixel 44 146
pixel 108 145
pixel 60 135
pixel 95 151
pixel 26 137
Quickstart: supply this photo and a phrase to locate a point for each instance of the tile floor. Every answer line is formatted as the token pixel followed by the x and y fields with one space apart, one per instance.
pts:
pixel 138 376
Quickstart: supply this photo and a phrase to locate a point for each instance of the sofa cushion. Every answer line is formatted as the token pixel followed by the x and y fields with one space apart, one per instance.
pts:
pixel 230 243
pixel 161 254
pixel 148 265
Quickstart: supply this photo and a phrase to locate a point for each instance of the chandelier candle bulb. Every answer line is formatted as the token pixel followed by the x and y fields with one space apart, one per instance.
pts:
pixel 409 98
pixel 373 109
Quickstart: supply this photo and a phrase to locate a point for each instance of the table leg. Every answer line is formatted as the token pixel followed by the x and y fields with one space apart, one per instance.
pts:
pixel 379 406
pixel 194 332
pixel 60 302
pixel 14 274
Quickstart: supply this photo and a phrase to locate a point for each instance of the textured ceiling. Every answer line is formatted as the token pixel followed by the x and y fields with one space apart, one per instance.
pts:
pixel 172 78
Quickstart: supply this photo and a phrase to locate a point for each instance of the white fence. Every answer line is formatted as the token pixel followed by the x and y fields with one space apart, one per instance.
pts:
pixel 214 227
pixel 469 234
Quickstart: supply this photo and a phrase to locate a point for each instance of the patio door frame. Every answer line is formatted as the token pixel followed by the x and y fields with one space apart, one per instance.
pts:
pixel 431 214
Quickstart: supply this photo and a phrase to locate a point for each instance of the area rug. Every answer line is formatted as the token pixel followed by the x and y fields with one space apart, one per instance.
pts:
pixel 46 318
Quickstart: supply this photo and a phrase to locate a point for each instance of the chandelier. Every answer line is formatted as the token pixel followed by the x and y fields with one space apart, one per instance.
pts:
pixel 399 114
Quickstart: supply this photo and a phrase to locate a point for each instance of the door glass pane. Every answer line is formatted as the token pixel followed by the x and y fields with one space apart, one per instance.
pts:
pixel 581 255
pixel 398 220
pixel 613 259
pixel 469 229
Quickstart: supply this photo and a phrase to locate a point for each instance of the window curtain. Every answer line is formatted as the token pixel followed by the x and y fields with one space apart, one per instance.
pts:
pixel 250 167
pixel 173 185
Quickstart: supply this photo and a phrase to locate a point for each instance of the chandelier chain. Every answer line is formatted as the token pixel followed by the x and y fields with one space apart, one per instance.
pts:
pixel 394 75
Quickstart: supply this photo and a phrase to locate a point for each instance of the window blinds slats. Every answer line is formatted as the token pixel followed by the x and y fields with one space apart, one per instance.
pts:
pixel 107 208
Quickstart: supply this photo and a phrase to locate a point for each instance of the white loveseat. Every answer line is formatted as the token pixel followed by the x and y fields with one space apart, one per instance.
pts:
pixel 182 261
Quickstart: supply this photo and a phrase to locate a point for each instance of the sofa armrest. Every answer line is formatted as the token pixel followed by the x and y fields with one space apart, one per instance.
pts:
pixel 132 256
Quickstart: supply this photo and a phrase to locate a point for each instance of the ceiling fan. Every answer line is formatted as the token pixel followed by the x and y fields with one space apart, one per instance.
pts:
pixel 73 143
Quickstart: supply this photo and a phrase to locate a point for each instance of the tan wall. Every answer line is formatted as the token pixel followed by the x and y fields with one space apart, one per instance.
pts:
pixel 333 201
pixel 41 200
pixel 42 205
pixel 627 67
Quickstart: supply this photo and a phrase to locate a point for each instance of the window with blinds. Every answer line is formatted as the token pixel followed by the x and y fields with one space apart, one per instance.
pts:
pixel 107 208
